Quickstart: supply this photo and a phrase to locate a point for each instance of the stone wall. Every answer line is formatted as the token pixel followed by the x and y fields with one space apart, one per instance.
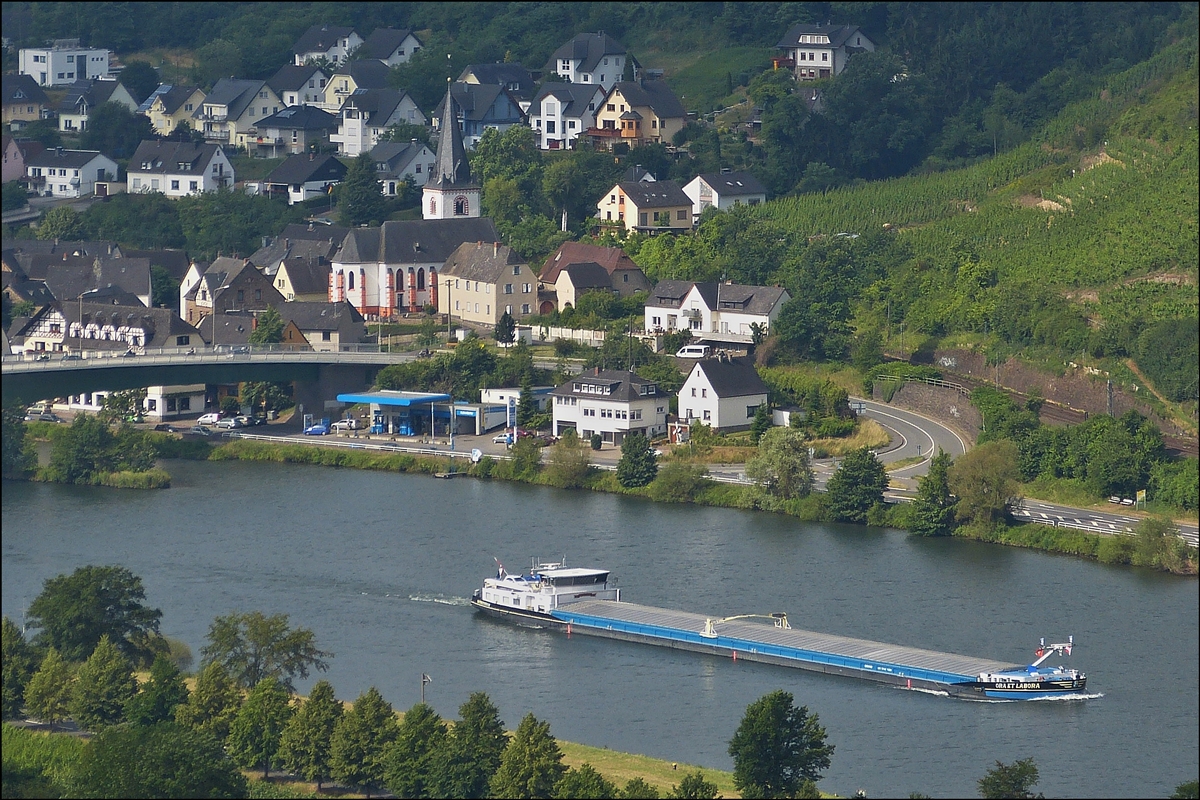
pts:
pixel 946 406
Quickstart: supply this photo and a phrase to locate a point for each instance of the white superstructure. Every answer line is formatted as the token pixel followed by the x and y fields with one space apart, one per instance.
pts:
pixel 549 585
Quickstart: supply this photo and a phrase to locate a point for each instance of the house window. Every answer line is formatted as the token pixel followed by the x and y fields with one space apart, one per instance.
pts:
pixel 258 294
pixel 175 186
pixel 241 295
pixel 517 270
pixel 508 288
pixel 326 336
pixel 550 126
pixel 181 341
pixel 642 218
pixel 461 208
pixel 151 404
pixel 193 186
pixel 693 391
pixel 571 124
pixel 526 288
pixel 824 56
pixel 185 404
pixel 681 214
pixel 751 411
pixel 525 308
pixel 171 405
pixel 704 392
pixel 707 415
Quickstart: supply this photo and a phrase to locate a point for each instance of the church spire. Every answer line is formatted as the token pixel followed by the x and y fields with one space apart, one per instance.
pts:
pixel 452 168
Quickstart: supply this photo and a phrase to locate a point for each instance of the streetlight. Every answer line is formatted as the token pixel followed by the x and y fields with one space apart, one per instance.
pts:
pixel 80 299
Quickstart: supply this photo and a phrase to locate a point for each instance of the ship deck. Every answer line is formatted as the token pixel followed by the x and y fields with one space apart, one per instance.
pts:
pixel 761 641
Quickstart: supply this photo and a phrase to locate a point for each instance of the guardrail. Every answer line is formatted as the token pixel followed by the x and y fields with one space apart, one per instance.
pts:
pixel 958 387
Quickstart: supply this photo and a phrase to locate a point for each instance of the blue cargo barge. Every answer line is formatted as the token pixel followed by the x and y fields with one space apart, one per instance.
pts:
pixel 583 601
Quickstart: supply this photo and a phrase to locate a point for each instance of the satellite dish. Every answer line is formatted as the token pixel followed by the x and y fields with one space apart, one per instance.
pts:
pixel 476 454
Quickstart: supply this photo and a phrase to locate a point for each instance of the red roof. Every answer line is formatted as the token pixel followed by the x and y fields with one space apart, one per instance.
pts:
pixel 611 258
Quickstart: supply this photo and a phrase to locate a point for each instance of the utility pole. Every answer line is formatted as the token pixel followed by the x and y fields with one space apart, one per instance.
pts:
pixel 424 680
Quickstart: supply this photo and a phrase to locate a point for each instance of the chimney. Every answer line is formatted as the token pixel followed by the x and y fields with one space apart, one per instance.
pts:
pixel 495 249
pixel 597 372
pixel 312 156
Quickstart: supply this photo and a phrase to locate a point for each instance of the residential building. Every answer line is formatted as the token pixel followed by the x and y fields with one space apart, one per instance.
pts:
pixel 820 51
pixel 104 327
pixel 294 130
pixel 302 177
pixel 24 101
pixel 714 312
pixel 479 107
pixel 327 327
pixel 724 190
pixel 561 112
pixel 593 58
pixel 174 402
pixel 625 278
pixel 646 206
pixel 304 280
pixel 230 286
pixel 485 280
pixel 330 43
pixel 85 95
pixel 68 277
pixel 611 403
pixel 451 192
pixel 170 105
pixel 395 267
pixel 17 153
pixel 309 241
pixel 178 169
pixel 300 84
pixel 638 113
pixel 174 263
pixel 723 393
pixel 353 77
pixel 396 163
pixel 391 46
pixel 366 115
pixel 62 63
pixel 233 108
pixel 513 77
pixel 68 173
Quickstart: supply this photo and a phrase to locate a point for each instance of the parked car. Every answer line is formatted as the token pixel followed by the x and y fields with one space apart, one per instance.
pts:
pixel 346 425
pixel 166 427
pixel 252 421
pixel 72 357
pixel 211 418
pixel 230 422
pixel 45 416
pixel 240 350
pixel 42 357
pixel 319 429
pixel 200 430
pixel 502 438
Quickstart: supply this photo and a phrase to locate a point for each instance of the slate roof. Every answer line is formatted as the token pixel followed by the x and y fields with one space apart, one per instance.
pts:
pixel 67 280
pixel 299 118
pixel 451 168
pixel 90 92
pixel 718 296
pixel 668 294
pixel 291 78
pixel 172 98
pixel 319 38
pixel 573 96
pixel 112 296
pixel 587 48
pixel 19 253
pixel 22 89
pixel 319 316
pixel 637 173
pixel 175 262
pixel 513 77
pixel 838 34
pixel 611 259
pixel 481 261
pixel 57 157
pixel 307 275
pixel 414 241
pixel 233 328
pixel 395 155
pixel 284 248
pixel 164 157
pixel 735 377
pixel 233 93
pixel 733 184
pixel 379 104
pixel 623 387
pixel 367 73
pixel 653 94
pixel 313 230
pixel 588 275
pixel 161 325
pixel 302 168
pixel 474 100
pixel 383 41
pixel 656 194
pixel 35 292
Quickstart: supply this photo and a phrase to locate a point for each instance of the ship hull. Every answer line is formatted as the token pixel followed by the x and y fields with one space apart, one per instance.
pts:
pixel 530 619
pixel 1028 690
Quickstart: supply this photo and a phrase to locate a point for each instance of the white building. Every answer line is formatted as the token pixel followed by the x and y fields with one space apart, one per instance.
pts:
pixel 173 402
pixel 722 393
pixel 724 190
pixel 68 173
pixel 714 312
pixel 560 112
pixel 63 63
pixel 821 51
pixel 611 403
pixel 178 169
pixel 594 58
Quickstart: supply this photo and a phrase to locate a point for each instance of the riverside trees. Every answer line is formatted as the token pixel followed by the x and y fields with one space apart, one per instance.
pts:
pixel 253 646
pixel 778 748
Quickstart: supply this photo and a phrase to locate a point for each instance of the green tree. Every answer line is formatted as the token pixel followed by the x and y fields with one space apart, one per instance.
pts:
pixel 48 693
pixel 782 467
pixel 160 696
pixel 857 486
pixel 19 457
pixel 569 462
pixel 1187 791
pixel 867 350
pixel 266 396
pixel 60 222
pixel 218 59
pixel 140 78
pixel 761 423
pixel 1157 544
pixel 103 685
pixel 427 333
pixel 17 663
pixel 256 730
pixel 678 482
pixel 776 747
pixel 360 741
pixel 268 328
pixel 411 760
pixel 638 465
pixel 360 198
pixel 74 611
pixel 638 789
pixel 472 755
pixel 1009 780
pixel 230 406
pixel 83 452
pixel 526 405
pixel 164 290
pixel 14 196
pixel 932 512
pixel 122 406
pixel 116 131
pixel 253 646
pixel 506 329
pixel 213 704
pixel 305 744
pixel 405 132
pixel 986 481
pixel 532 763
pixel 694 787
pixel 585 783
pixel 164 760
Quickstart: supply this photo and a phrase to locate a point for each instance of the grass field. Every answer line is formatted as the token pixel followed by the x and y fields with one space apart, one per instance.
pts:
pixel 620 768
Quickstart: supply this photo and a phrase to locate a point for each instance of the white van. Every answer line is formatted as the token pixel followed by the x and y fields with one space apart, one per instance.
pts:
pixel 694 351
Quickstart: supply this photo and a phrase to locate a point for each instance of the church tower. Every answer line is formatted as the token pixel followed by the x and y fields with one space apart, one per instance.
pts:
pixel 451 192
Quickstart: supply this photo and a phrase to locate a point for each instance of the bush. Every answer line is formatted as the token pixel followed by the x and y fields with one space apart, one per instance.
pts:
pixel 677 482
pixel 150 479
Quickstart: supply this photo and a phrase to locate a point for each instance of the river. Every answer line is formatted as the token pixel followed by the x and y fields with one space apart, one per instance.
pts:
pixel 380 566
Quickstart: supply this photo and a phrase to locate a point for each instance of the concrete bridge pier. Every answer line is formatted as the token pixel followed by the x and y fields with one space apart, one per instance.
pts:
pixel 319 397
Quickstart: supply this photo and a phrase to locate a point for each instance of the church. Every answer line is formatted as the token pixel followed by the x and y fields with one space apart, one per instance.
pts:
pixel 393 269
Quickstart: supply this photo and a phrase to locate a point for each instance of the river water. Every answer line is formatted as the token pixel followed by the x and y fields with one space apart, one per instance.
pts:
pixel 380 566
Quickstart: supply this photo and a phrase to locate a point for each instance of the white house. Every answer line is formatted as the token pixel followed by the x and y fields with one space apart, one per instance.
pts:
pixel 594 58
pixel 366 115
pixel 724 190
pixel 611 403
pixel 178 169
pixel 83 97
pixel 233 108
pixel 302 177
pixel 714 312
pixel 723 393
pixel 173 402
pixel 396 163
pixel 63 63
pixel 820 51
pixel 560 112
pixel 329 42
pixel 68 173
pixel 299 85
pixel 391 46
